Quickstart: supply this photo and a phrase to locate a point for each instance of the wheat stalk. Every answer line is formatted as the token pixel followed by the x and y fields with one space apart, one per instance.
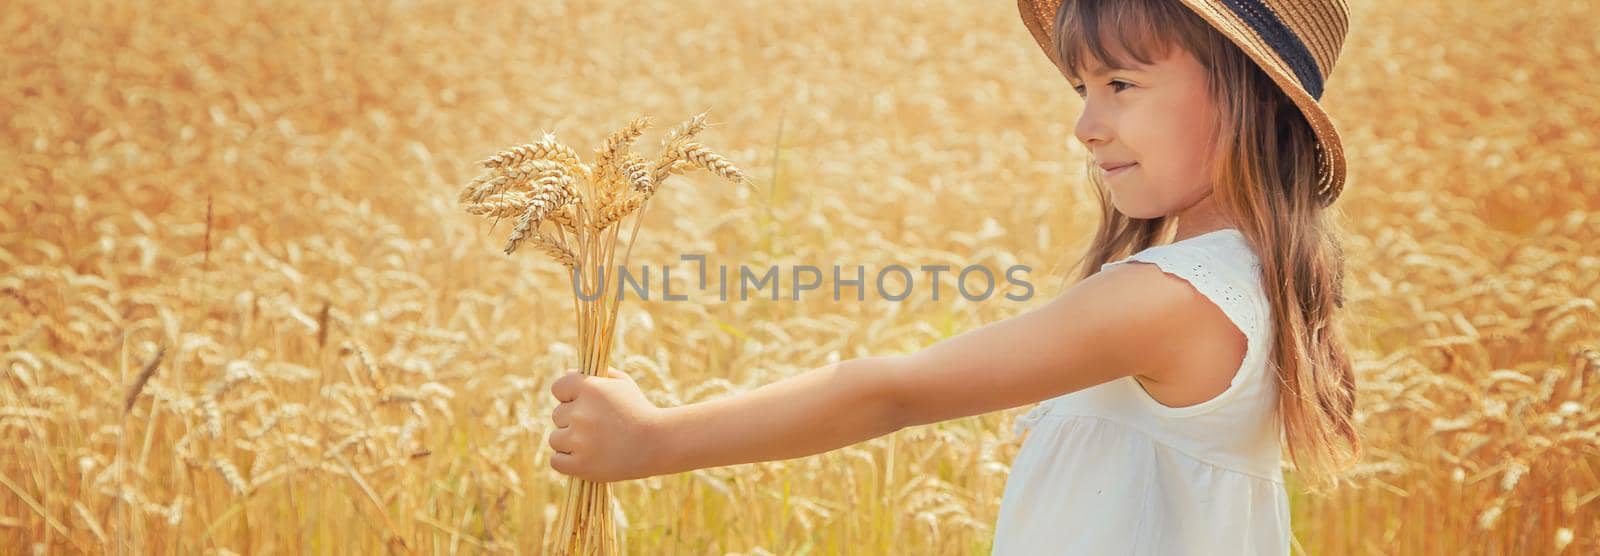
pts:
pixel 544 182
pixel 715 163
pixel 672 147
pixel 616 211
pixel 142 378
pixel 547 148
pixel 230 474
pixel 616 148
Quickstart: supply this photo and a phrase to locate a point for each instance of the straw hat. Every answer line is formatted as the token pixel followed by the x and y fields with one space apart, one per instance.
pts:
pixel 1294 41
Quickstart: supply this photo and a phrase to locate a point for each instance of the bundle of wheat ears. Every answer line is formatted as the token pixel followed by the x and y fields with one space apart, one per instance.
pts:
pixel 573 211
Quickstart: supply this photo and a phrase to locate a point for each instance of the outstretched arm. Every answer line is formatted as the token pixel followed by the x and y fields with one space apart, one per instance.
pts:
pixel 821 410
pixel 1127 319
pixel 608 431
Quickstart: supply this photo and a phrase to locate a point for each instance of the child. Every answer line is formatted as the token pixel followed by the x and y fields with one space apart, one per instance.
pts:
pixel 1171 374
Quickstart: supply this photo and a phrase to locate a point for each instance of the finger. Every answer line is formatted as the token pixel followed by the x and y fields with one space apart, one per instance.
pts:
pixel 561 441
pixel 564 464
pixel 613 373
pixel 565 389
pixel 562 416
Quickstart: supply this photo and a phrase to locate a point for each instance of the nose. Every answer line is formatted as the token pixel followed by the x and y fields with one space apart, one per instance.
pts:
pixel 1093 123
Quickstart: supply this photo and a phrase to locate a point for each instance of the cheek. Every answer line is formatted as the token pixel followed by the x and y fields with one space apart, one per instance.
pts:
pixel 1186 143
pixel 1170 146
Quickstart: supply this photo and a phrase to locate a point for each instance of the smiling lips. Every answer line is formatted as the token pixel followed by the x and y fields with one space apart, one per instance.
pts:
pixel 1114 168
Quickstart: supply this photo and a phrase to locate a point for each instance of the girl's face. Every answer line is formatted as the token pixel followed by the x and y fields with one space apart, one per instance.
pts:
pixel 1160 119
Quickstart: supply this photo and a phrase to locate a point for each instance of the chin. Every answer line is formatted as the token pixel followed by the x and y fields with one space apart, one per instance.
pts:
pixel 1137 210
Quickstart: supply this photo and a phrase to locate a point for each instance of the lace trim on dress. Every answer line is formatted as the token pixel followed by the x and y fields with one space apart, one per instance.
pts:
pixel 1193 265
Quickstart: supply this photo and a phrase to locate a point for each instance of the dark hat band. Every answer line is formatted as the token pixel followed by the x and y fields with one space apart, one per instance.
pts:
pixel 1288 45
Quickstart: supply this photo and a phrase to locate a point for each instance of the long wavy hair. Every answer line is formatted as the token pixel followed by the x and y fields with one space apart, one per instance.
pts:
pixel 1265 181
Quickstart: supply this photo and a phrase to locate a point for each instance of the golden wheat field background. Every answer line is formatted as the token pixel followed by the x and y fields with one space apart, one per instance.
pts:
pixel 264 194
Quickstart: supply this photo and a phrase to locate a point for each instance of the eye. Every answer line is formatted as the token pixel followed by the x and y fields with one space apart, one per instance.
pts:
pixel 1113 83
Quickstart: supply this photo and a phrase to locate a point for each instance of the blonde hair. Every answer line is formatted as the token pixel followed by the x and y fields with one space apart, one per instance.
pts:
pixel 1265 181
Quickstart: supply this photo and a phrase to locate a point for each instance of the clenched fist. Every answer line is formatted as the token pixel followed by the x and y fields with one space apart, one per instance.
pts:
pixel 605 428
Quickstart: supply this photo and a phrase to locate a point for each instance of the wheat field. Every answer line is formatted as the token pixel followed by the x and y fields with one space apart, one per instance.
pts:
pixel 241 313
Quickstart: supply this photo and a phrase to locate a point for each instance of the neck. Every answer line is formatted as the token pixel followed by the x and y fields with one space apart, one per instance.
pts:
pixel 1200 218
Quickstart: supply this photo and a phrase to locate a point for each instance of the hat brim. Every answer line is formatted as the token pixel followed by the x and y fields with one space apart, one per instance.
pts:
pixel 1039 18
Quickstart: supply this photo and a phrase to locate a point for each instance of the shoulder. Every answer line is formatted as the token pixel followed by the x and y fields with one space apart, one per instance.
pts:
pixel 1162 299
pixel 1220 266
pixel 1175 325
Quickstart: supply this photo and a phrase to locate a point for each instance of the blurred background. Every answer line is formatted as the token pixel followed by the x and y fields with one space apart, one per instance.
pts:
pixel 351 364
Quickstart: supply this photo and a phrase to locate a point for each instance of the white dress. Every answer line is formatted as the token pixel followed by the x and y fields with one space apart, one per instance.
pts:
pixel 1109 470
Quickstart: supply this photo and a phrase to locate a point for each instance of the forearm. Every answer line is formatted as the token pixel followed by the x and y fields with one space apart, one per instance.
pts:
pixel 814 412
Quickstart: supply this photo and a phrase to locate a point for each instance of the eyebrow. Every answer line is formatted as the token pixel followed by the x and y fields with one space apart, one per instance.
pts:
pixel 1099 70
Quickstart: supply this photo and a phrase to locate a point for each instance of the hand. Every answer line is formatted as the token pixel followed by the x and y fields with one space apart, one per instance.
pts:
pixel 606 430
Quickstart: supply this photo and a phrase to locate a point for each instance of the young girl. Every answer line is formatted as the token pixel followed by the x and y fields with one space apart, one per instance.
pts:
pixel 1171 374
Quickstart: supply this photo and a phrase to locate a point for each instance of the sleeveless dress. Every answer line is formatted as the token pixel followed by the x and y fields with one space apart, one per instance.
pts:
pixel 1109 470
